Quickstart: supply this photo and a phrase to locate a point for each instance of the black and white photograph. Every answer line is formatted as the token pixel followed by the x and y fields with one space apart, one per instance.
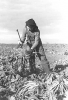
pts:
pixel 33 49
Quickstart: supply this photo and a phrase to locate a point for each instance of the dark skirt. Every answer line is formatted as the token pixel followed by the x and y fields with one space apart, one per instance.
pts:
pixel 42 58
pixel 30 62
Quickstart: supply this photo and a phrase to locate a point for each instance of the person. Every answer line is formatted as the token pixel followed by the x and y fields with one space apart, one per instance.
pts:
pixel 31 37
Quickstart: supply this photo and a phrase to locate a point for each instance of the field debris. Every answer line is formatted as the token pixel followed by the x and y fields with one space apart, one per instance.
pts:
pixel 34 86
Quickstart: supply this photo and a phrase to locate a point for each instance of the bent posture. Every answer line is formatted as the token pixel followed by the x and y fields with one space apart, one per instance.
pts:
pixel 31 37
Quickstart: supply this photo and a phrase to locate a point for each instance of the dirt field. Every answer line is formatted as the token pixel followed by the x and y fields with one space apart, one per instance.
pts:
pixel 56 54
pixel 50 87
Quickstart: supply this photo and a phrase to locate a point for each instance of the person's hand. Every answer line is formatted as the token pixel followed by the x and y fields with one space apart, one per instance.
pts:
pixel 20 44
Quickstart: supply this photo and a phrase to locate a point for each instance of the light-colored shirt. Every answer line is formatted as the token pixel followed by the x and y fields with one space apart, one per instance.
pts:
pixel 31 38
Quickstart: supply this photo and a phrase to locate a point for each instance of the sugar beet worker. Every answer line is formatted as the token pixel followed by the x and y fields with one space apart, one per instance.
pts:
pixel 31 36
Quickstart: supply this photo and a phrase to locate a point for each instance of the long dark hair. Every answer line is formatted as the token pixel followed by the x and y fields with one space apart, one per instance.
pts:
pixel 31 23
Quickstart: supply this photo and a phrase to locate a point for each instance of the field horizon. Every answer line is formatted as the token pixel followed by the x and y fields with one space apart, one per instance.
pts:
pixel 57 54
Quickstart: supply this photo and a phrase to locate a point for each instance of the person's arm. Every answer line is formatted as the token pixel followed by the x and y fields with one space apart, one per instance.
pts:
pixel 37 38
pixel 23 35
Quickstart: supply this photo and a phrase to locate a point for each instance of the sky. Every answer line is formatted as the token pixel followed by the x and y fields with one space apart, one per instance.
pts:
pixel 51 16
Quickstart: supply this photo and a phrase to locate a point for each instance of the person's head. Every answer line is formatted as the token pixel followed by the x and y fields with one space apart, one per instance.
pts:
pixel 31 25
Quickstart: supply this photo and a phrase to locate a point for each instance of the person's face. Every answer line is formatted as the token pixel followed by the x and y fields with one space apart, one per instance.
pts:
pixel 29 29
